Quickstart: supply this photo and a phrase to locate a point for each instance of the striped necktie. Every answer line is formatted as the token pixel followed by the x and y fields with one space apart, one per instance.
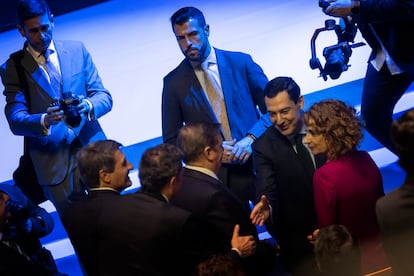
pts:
pixel 54 74
pixel 216 98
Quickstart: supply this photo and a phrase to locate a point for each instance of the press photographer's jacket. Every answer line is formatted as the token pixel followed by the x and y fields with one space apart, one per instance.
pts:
pixel 51 153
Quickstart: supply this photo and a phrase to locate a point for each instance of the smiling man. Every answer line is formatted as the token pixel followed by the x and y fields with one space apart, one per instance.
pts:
pixel 283 176
pixel 105 171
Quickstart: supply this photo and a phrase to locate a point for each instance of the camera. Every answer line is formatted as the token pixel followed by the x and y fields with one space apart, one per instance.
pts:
pixel 323 4
pixel 17 220
pixel 336 56
pixel 18 214
pixel 69 105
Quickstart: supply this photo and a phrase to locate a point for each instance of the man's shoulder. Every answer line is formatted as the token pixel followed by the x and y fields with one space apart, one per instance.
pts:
pixel 177 71
pixel 266 138
pixel 69 45
pixel 230 53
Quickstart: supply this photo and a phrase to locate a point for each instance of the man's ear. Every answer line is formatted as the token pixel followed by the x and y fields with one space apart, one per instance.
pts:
pixel 104 176
pixel 208 153
pixel 20 28
pixel 301 101
pixel 207 30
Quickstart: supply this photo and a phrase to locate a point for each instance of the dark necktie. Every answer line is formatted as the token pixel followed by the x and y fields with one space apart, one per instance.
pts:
pixel 216 99
pixel 304 155
pixel 54 74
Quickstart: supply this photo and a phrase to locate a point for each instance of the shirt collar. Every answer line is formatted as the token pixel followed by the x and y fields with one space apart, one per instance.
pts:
pixel 210 59
pixel 36 54
pixel 202 170
pixel 104 189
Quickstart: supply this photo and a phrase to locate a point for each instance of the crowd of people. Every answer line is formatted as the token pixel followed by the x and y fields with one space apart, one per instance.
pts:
pixel 239 152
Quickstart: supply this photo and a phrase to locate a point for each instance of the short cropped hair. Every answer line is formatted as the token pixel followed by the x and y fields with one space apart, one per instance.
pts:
pixel 402 134
pixel 336 251
pixel 183 15
pixel 158 165
pixel 338 123
pixel 194 137
pixel 27 9
pixel 96 156
pixel 280 84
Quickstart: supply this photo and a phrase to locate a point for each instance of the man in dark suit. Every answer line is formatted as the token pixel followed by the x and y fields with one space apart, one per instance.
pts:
pixel 395 211
pixel 104 169
pixel 239 82
pixel 282 178
pixel 209 199
pixel 34 78
pixel 385 25
pixel 145 235
pixel 22 223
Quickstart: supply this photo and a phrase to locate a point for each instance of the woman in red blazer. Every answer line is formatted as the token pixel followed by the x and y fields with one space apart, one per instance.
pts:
pixel 348 185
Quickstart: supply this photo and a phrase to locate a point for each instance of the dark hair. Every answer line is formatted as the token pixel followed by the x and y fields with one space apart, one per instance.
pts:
pixel 336 251
pixel 280 84
pixel 402 133
pixel 94 157
pixel 183 15
pixel 337 123
pixel 194 137
pixel 220 265
pixel 27 9
pixel 158 165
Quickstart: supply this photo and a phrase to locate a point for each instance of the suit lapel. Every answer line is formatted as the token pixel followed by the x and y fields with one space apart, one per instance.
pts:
pixel 225 77
pixel 64 63
pixel 282 147
pixel 196 97
pixel 39 75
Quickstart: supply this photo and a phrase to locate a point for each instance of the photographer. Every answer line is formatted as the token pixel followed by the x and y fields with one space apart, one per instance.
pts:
pixel 386 25
pixel 21 225
pixel 44 72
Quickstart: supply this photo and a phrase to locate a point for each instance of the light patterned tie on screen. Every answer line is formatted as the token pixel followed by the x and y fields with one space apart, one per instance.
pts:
pixel 216 99
pixel 54 75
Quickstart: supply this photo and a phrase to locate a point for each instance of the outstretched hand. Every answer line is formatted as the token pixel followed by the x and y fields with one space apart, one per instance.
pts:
pixel 261 211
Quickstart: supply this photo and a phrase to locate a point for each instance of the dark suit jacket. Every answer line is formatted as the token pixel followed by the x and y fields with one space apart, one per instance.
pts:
pixel 281 176
pixel 243 82
pixel 211 201
pixel 81 220
pixel 11 262
pixel 395 212
pixel 79 76
pixel 393 21
pixel 144 235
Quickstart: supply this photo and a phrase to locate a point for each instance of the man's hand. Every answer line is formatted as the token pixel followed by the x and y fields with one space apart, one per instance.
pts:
pixel 339 8
pixel 260 212
pixel 228 151
pixel 242 150
pixel 313 237
pixel 83 107
pixel 53 116
pixel 246 245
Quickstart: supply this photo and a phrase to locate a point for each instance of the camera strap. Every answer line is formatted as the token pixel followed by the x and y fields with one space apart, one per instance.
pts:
pixel 15 246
